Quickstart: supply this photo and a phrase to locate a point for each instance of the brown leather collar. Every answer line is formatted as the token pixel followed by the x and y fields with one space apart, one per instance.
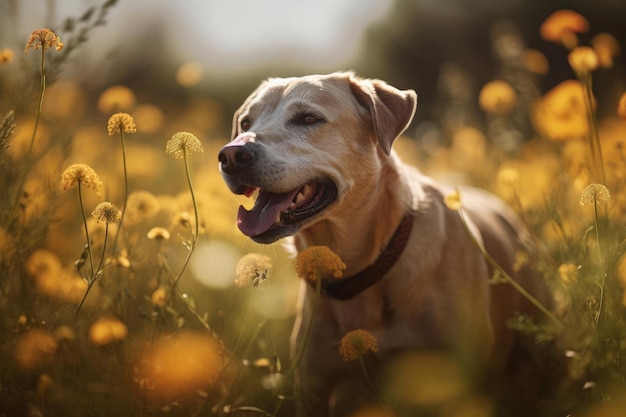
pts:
pixel 346 288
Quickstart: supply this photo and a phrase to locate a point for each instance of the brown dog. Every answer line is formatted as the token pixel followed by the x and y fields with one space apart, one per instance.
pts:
pixel 318 149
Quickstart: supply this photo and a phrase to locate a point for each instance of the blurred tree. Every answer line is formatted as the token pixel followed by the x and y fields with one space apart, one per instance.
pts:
pixel 409 46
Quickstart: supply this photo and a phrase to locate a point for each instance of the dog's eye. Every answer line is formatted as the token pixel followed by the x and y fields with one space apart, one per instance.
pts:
pixel 306 119
pixel 244 125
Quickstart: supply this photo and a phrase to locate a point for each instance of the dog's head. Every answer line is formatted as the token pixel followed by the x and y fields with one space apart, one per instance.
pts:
pixel 302 143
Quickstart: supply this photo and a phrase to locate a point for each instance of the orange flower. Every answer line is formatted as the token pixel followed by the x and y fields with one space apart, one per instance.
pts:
pixel 561 112
pixel 116 98
pixel 6 55
pixel 121 122
pixel 107 330
pixel 497 97
pixel 583 60
pixel 562 27
pixel 318 261
pixel 179 365
pixel 535 61
pixel 43 38
pixel 607 47
pixel 83 174
pixel 356 343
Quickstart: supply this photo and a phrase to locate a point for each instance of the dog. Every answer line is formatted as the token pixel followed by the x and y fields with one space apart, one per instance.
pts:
pixel 318 151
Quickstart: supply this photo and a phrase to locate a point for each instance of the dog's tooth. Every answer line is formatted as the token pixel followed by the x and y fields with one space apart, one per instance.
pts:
pixel 299 197
pixel 277 218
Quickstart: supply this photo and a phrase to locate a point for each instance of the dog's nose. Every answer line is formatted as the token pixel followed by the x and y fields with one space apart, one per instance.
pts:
pixel 234 158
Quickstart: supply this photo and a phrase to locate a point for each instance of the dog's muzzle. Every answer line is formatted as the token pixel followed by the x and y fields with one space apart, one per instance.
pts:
pixel 277 212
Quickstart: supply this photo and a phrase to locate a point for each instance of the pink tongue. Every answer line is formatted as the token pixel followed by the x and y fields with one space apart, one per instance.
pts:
pixel 263 215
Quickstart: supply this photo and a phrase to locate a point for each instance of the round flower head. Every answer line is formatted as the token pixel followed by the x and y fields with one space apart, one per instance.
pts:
pixel 356 343
pixel 116 98
pixel 6 56
pixel 83 174
pixel 453 200
pixel 106 212
pixel 121 122
pixel 251 269
pixel 158 233
pixel 107 330
pixel 183 143
pixel 568 273
pixel 318 261
pixel 594 194
pixel 562 27
pixel 497 97
pixel 535 61
pixel 583 60
pixel 607 47
pixel 43 38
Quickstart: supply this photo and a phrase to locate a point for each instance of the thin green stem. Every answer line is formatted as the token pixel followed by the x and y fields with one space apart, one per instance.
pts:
pixel 505 275
pixel 82 212
pixel 195 231
pixel 193 199
pixel 603 284
pixel 29 155
pixel 303 342
pixel 119 228
pixel 597 161
pixel 96 274
pixel 366 375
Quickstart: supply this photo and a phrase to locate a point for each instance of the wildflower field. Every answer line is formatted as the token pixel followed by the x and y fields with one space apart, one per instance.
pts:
pixel 126 288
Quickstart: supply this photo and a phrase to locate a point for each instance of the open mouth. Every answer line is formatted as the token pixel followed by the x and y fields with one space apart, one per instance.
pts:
pixel 280 214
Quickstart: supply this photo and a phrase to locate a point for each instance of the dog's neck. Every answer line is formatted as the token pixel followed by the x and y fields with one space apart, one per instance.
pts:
pixel 364 227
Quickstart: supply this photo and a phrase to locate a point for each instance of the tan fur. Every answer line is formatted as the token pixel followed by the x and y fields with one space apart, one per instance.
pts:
pixel 437 295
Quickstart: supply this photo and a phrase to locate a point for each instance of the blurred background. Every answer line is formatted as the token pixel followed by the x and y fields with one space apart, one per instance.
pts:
pixel 234 44
pixel 186 66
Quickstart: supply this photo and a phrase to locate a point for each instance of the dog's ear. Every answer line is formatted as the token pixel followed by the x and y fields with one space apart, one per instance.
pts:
pixel 391 109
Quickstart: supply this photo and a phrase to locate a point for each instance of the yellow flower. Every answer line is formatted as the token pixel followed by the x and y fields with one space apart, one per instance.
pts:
pixel 121 122
pixel 83 174
pixel 497 97
pixel 318 262
pixel 43 38
pixel 116 98
pixel 251 269
pixel 453 200
pixel 121 260
pixel 594 194
pixel 507 177
pixel 356 343
pixel 107 330
pixel 535 61
pixel 183 143
pixel 583 60
pixel 621 107
pixel 561 113
pixel 568 273
pixel 106 212
pixel 6 56
pixel 159 297
pixel 158 233
pixel 562 27
pixel 35 349
pixel 141 205
pixel 189 74
pixel 607 47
